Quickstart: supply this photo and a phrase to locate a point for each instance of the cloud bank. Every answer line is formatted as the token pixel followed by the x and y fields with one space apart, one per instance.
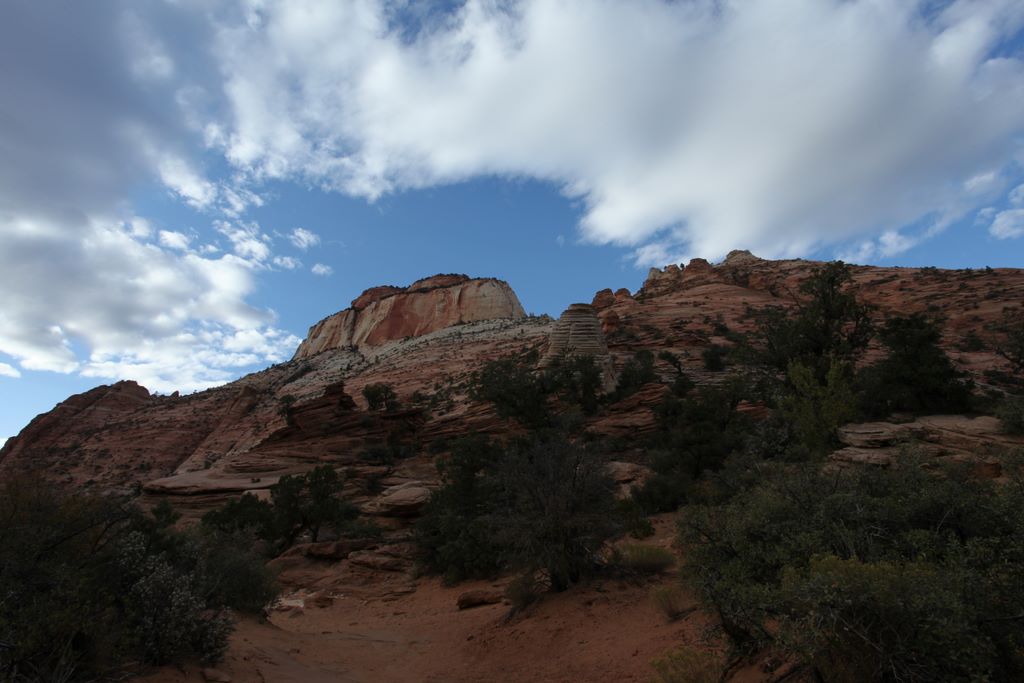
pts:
pixel 683 127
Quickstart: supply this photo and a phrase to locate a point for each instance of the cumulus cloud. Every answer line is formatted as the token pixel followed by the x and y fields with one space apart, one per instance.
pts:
pixel 781 127
pixel 247 240
pixel 167 319
pixel 287 262
pixel 1008 224
pixel 321 269
pixel 174 240
pixel 8 370
pixel 88 285
pixel 304 239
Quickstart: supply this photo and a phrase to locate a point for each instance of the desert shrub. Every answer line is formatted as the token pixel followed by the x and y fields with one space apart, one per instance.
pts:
pixel 245 514
pixel 381 397
pixel 688 665
pixel 815 409
pixel 542 505
pixel 166 608
pixel 681 383
pixel 916 375
pixel 695 435
pixel 896 574
pixel 92 585
pixel 556 508
pixel 299 504
pixel 455 529
pixel 515 391
pixel 1011 414
pixel 671 601
pixel 638 371
pixel 633 519
pixel 827 324
pixel 714 358
pixel 576 379
pixel 307 503
pixel 643 559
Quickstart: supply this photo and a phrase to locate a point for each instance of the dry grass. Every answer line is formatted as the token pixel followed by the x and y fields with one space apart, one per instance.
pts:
pixel 672 602
pixel 688 665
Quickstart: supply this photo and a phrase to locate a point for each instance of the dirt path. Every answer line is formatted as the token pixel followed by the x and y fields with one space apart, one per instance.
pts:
pixel 412 632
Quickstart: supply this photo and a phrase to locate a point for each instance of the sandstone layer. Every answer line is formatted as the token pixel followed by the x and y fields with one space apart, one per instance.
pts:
pixel 382 314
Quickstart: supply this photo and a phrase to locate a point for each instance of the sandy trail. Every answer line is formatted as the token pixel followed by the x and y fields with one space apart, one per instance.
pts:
pixel 410 631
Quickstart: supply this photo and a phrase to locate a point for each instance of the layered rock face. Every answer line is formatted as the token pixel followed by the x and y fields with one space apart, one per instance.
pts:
pixel 578 331
pixel 383 314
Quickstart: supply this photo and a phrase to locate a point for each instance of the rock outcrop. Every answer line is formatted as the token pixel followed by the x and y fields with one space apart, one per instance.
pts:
pixel 383 314
pixel 579 332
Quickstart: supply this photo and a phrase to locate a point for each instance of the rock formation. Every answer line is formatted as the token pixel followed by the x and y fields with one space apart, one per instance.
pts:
pixel 579 332
pixel 382 314
pixel 203 447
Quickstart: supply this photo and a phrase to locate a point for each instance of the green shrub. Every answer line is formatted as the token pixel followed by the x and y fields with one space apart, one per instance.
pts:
pixel 245 514
pixel 91 585
pixel 634 521
pixel 638 371
pixel 455 530
pixel 916 376
pixel 543 505
pixel 381 397
pixel 576 379
pixel 555 508
pixel 695 435
pixel 893 574
pixel 814 410
pixel 515 391
pixel 299 504
pixel 643 559
pixel 828 324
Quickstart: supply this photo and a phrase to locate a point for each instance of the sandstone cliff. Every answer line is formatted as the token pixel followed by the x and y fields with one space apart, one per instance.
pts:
pixel 310 410
pixel 382 314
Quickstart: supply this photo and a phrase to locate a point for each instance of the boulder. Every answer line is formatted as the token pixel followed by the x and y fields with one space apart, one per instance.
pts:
pixel 480 596
pixel 405 500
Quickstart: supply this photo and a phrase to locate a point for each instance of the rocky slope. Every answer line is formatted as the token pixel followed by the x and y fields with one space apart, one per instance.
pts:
pixel 425 340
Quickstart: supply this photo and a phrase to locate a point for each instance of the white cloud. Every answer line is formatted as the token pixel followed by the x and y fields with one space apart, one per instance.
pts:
pixel 174 240
pixel 8 370
pixel 321 269
pixel 304 239
pixel 780 127
pixel 125 308
pixel 1008 224
pixel 247 241
pixel 287 262
pixel 179 176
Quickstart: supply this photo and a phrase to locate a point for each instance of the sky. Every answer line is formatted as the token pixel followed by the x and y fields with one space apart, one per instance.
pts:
pixel 187 186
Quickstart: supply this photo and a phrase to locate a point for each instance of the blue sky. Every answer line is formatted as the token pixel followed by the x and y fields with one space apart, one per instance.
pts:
pixel 185 188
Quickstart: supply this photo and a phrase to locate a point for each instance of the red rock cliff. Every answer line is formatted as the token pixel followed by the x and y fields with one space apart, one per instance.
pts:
pixel 382 314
